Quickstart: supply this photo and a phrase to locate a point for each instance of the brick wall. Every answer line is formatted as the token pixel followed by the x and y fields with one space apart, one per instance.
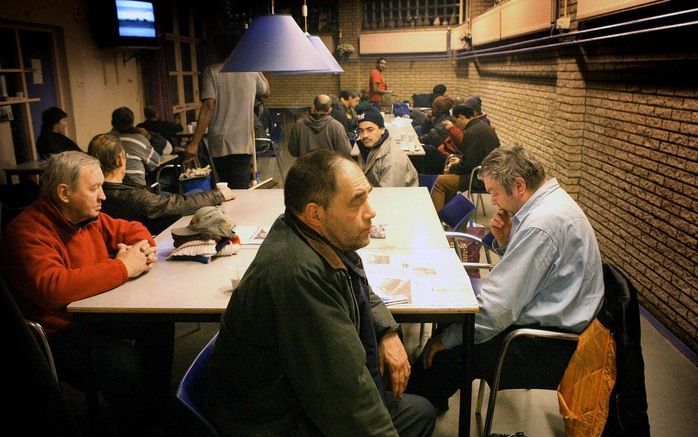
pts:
pixel 617 124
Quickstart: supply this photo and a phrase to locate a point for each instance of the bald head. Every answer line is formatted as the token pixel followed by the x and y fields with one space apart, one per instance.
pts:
pixel 322 104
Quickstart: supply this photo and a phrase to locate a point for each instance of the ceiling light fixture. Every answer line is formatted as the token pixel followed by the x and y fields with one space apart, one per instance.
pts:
pixel 275 43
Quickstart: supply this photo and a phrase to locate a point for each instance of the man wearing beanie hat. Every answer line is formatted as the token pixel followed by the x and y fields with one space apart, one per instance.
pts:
pixel 52 138
pixel 383 162
pixel 476 103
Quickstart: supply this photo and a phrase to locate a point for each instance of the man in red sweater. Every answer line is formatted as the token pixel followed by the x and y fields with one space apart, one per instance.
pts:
pixel 61 249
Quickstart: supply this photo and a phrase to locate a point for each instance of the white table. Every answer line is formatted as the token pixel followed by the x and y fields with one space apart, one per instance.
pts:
pixel 191 288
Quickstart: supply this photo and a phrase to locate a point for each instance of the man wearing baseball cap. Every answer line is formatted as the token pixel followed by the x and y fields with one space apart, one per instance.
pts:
pixel 383 162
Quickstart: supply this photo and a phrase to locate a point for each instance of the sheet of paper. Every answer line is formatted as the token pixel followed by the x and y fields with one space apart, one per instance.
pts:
pixel 250 234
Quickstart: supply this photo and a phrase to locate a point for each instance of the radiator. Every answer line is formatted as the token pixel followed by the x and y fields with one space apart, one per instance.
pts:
pixel 512 18
pixel 591 8
pixel 419 41
pixel 487 27
pixel 525 16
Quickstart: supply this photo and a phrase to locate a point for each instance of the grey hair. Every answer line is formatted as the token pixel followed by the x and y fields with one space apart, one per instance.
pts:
pixel 505 164
pixel 64 168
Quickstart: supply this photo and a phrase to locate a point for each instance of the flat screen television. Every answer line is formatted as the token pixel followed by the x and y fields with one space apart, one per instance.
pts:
pixel 125 23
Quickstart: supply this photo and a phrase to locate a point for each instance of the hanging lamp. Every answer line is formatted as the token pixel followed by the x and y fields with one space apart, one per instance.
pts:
pixel 275 43
pixel 331 62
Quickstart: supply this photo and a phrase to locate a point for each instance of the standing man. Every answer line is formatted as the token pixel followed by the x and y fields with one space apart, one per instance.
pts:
pixel 227 111
pixel 318 131
pixel 61 249
pixel 377 87
pixel 549 275
pixel 304 343
pixel 383 162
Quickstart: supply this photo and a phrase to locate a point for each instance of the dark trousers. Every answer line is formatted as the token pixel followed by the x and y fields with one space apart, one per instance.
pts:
pixel 412 416
pixel 434 160
pixel 236 170
pixel 530 363
pixel 130 363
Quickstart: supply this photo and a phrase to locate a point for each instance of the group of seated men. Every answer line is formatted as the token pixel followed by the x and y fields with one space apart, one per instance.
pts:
pixel 279 372
pixel 338 127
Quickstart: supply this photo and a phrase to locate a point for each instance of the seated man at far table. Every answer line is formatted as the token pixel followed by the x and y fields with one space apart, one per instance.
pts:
pixel 549 276
pixel 155 211
pixel 344 111
pixel 61 249
pixel 474 139
pixel 304 343
pixel 383 162
pixel 318 131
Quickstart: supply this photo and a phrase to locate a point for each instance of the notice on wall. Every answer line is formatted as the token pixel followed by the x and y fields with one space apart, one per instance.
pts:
pixel 37 73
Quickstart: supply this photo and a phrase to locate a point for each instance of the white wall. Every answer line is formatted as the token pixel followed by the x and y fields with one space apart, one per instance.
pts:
pixel 96 81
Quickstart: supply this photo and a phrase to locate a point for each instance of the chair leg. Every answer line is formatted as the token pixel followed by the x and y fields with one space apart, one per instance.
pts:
pixel 281 169
pixel 480 397
pixel 490 412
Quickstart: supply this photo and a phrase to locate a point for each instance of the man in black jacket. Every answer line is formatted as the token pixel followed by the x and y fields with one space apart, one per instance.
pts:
pixel 479 139
pixel 155 211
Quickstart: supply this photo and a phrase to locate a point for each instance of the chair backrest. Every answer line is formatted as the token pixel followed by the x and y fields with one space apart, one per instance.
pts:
pixel 461 238
pixel 193 387
pixel 42 339
pixel 474 184
pixel 427 180
pixel 263 145
pixel 457 211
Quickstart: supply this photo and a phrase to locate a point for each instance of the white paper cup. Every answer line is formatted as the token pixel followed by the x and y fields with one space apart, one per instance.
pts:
pixel 221 185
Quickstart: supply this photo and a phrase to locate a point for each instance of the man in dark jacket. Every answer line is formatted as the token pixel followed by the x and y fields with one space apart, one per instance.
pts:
pixel 318 131
pixel 304 343
pixel 155 211
pixel 479 139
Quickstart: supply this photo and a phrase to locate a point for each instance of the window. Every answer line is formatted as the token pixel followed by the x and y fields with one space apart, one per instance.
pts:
pixel 29 83
pixel 183 35
pixel 398 14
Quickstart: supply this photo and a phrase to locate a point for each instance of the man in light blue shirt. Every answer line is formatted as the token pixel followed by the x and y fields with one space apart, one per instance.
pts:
pixel 549 275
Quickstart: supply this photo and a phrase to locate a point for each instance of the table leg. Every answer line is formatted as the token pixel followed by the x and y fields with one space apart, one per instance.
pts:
pixel 466 390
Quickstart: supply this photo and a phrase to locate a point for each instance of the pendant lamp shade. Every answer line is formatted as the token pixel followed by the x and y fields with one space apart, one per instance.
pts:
pixel 275 43
pixel 332 64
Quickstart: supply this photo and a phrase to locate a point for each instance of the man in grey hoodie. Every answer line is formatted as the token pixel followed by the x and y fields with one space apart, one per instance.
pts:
pixel 318 131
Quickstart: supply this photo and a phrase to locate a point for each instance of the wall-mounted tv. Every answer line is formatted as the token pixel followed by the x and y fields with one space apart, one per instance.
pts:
pixel 124 23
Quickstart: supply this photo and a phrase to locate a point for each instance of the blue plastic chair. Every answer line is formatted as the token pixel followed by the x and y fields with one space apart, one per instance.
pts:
pixel 427 180
pixel 194 386
pixel 456 212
